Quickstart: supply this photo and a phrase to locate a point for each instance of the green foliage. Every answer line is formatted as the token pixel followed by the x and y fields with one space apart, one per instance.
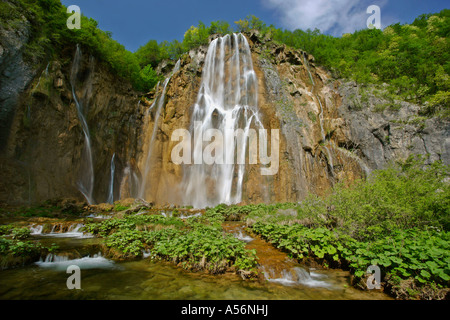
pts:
pixel 412 253
pixel 204 247
pixel 6 229
pixel 127 241
pixel 398 219
pixel 198 243
pixel 149 79
pixel 406 195
pixel 153 53
pixel 21 233
pixel 25 249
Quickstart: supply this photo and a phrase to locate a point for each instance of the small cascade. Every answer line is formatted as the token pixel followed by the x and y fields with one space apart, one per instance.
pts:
pixel 295 276
pixel 111 182
pixel 305 61
pixel 196 215
pixel 36 229
pixel 61 263
pixel 154 102
pixel 86 182
pixel 59 230
pixel 159 103
pixel 227 101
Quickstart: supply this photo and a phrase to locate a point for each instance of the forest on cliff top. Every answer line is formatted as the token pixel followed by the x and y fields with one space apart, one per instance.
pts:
pixel 414 59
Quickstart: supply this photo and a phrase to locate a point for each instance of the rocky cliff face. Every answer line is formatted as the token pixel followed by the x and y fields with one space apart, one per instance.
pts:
pixel 42 156
pixel 328 132
pixel 381 131
pixel 15 73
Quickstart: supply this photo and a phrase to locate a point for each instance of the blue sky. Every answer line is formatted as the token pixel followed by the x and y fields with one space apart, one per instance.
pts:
pixel 134 22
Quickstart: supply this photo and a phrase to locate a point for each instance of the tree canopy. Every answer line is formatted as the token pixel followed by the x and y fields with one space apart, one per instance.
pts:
pixel 414 59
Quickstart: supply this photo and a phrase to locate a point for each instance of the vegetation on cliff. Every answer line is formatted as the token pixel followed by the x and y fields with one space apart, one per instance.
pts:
pixel 412 58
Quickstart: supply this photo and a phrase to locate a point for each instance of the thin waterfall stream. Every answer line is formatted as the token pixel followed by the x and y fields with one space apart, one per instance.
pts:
pixel 86 182
pixel 111 183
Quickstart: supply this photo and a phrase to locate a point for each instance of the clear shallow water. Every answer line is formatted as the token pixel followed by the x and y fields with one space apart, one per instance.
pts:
pixel 148 280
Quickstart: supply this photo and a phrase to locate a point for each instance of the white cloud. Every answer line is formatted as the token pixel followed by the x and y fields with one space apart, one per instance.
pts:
pixel 330 16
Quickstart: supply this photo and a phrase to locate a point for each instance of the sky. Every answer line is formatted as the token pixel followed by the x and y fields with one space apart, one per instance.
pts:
pixel 134 22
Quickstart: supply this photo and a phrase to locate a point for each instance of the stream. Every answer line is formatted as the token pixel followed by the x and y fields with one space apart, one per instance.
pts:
pixel 103 279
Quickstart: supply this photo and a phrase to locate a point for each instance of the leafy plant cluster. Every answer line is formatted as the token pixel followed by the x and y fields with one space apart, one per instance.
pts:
pixel 15 232
pixel 205 247
pixel 15 249
pixel 19 248
pixel 199 243
pixel 131 222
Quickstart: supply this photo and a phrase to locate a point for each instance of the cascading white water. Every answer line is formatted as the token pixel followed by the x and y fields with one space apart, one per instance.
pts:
pixel 61 263
pixel 36 230
pixel 227 101
pixel 111 183
pixel 159 103
pixel 86 182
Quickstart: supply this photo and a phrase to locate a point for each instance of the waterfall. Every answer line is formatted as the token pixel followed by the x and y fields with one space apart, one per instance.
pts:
pixel 159 103
pixel 227 101
pixel 111 183
pixel 86 182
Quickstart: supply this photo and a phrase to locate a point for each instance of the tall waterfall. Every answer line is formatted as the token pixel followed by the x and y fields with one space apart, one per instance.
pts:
pixel 86 181
pixel 227 101
pixel 159 103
